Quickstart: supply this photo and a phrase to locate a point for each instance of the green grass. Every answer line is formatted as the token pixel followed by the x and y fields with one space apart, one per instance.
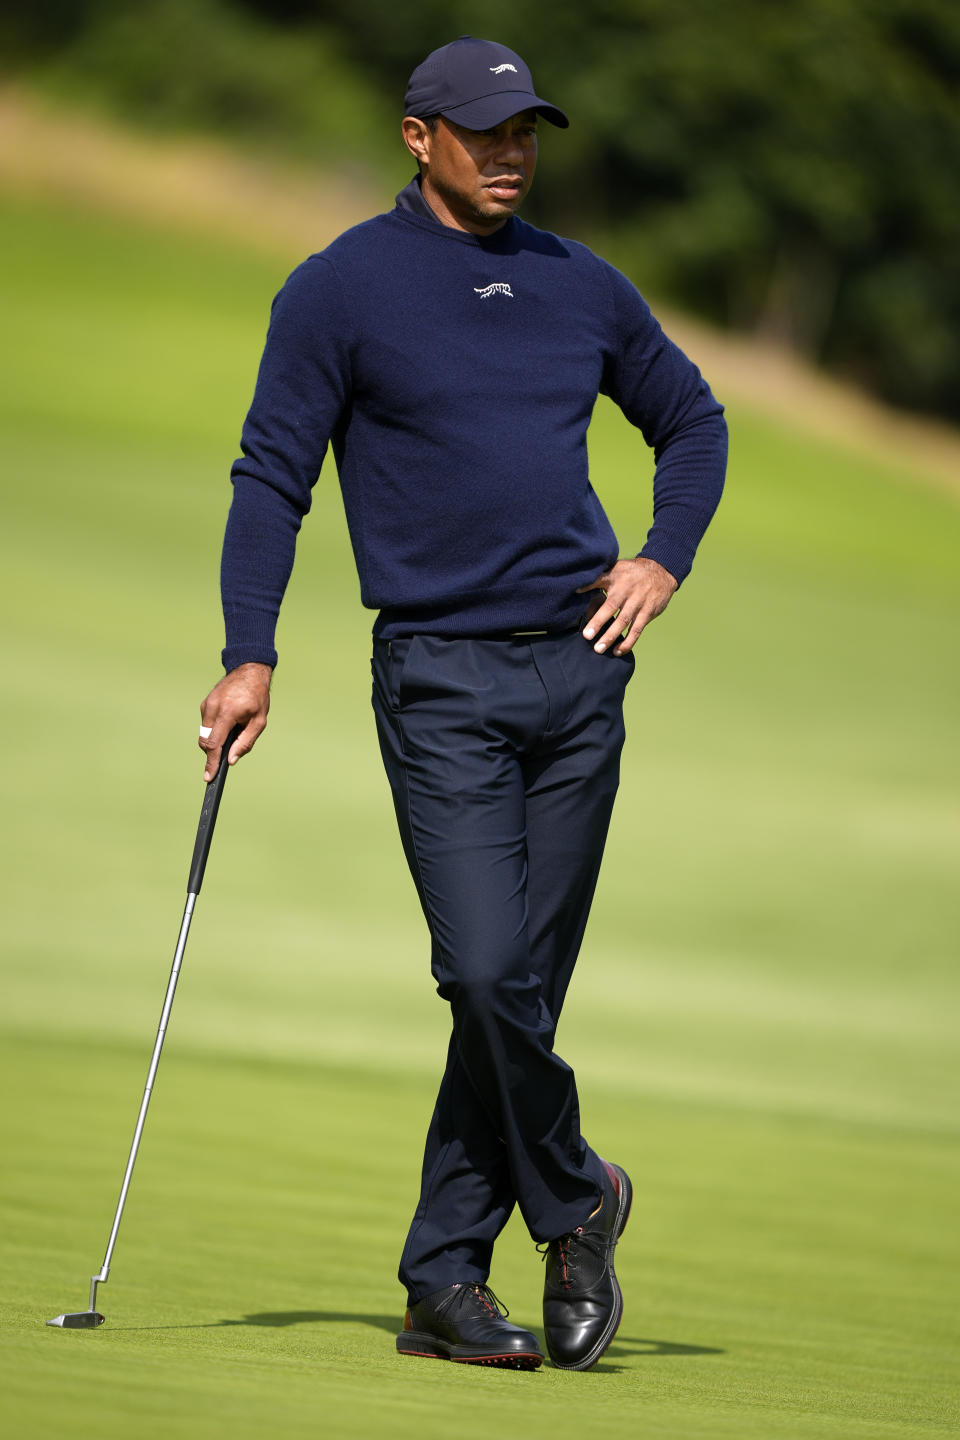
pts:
pixel 762 1022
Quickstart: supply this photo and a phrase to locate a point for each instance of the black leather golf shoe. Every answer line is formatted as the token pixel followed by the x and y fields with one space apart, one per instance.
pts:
pixel 467 1323
pixel 582 1302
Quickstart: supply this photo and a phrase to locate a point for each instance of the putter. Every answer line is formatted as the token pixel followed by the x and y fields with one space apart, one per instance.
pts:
pixel 90 1318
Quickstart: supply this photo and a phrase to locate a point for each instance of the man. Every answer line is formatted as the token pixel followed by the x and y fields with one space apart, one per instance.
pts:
pixel 453 356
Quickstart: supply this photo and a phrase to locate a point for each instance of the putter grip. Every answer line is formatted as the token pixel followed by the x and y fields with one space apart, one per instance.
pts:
pixel 208 816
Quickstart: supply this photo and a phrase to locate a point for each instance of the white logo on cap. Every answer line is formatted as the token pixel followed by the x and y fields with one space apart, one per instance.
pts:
pixel 499 69
pixel 500 287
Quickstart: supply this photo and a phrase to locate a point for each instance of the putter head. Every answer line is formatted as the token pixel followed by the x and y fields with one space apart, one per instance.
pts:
pixel 79 1320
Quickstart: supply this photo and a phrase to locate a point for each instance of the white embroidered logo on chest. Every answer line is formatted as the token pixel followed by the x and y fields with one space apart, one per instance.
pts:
pixel 499 288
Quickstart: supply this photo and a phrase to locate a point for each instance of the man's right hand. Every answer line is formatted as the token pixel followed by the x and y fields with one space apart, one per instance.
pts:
pixel 242 697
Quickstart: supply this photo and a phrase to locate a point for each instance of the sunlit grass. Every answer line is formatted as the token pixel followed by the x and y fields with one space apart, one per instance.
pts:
pixel 761 1022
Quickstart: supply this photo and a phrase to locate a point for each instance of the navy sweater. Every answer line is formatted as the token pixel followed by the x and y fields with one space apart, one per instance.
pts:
pixel 455 376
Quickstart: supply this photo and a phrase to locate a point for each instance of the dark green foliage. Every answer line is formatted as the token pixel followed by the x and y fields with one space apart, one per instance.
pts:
pixel 792 170
pixel 199 63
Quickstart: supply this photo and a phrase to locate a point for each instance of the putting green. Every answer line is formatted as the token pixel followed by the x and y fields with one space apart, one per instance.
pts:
pixel 762 1022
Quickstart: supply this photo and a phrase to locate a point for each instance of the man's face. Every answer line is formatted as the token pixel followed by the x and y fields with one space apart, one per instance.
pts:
pixel 475 179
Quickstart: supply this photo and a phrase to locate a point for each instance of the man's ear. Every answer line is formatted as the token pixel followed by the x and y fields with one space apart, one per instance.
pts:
pixel 416 137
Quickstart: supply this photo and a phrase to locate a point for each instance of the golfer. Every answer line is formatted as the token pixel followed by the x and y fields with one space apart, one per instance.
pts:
pixel 453 354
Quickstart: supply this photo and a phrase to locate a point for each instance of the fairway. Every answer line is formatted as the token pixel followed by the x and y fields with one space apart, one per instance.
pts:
pixel 763 1022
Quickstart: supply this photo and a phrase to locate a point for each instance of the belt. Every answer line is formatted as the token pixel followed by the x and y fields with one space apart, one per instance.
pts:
pixel 506 635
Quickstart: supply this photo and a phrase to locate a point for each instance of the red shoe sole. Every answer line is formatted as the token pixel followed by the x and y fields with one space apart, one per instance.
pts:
pixel 429 1349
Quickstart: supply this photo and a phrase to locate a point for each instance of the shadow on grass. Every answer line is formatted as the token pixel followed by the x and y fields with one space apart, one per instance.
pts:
pixel 624 1347
pixel 279 1318
pixel 311 1317
pixel 636 1349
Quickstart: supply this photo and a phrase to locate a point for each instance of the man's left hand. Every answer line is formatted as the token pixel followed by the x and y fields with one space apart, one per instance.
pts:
pixel 634 593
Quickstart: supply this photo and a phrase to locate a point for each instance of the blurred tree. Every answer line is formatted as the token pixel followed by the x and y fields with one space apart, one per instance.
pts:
pixel 204 65
pixel 26 31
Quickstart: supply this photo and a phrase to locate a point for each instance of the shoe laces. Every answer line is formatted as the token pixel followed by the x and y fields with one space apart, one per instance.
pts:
pixel 569 1248
pixel 480 1294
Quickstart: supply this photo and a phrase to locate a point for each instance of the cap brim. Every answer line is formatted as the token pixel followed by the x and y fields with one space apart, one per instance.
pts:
pixel 491 110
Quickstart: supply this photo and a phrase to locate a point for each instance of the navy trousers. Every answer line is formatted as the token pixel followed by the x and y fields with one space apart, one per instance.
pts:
pixel 503 756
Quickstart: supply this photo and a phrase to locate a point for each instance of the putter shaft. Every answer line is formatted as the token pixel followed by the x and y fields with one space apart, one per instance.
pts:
pixel 102 1276
pixel 89 1318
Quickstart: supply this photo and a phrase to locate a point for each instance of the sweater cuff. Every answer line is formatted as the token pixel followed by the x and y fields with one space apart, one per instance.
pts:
pixel 235 655
pixel 672 553
pixel 249 637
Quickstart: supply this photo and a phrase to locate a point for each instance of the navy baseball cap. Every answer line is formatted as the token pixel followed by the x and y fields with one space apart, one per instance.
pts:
pixel 477 84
